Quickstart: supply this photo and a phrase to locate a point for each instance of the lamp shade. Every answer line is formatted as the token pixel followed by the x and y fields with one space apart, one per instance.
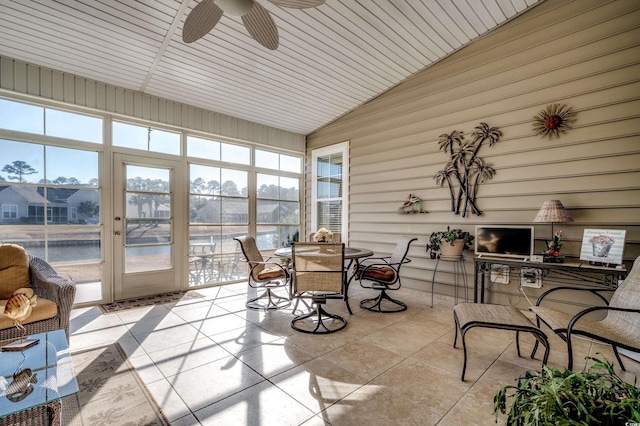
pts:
pixel 552 211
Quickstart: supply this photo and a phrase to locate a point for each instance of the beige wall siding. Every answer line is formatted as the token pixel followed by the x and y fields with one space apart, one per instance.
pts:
pixel 40 82
pixel 585 54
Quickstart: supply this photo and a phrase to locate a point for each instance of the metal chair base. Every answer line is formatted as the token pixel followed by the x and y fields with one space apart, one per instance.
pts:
pixel 324 323
pixel 377 303
pixel 268 301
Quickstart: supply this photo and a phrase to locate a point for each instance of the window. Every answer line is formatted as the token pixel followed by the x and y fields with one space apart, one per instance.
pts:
pixel 218 151
pixel 277 211
pixel 145 138
pixel 329 204
pixel 9 211
pixel 48 121
pixel 275 161
pixel 218 212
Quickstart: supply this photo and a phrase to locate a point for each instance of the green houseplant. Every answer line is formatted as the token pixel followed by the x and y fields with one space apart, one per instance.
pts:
pixel 596 396
pixel 447 237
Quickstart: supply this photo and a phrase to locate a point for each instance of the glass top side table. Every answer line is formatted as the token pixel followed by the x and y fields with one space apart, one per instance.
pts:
pixel 33 380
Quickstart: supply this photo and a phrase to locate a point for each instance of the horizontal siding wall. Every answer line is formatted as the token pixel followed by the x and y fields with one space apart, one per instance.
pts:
pixel 584 54
pixel 39 82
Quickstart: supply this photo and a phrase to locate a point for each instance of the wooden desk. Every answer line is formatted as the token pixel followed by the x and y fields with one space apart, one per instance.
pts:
pixel 571 273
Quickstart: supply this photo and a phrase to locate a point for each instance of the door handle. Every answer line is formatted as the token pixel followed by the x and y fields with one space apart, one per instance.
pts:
pixel 117 233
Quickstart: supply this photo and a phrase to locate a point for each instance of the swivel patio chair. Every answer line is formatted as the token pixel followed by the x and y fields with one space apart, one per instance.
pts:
pixel 317 274
pixel 383 273
pixel 620 327
pixel 264 274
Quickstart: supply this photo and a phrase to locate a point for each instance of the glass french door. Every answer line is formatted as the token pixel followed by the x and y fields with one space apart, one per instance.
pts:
pixel 145 240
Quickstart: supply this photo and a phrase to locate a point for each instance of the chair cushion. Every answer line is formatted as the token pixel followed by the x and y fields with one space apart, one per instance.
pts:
pixel 14 270
pixel 270 273
pixel 43 310
pixel 378 273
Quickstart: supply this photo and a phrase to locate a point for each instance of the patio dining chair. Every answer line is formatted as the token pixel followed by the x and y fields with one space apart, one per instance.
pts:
pixel 383 274
pixel 265 274
pixel 620 327
pixel 317 274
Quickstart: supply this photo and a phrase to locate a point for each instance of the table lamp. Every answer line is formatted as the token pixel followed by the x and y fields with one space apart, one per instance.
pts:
pixel 552 211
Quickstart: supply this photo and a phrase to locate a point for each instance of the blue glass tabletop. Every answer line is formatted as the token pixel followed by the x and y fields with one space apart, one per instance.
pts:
pixel 37 375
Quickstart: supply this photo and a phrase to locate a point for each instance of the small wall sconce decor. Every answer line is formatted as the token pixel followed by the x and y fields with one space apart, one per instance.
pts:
pixel 553 120
pixel 465 170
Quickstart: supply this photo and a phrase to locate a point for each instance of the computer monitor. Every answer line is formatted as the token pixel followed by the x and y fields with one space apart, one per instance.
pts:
pixel 504 241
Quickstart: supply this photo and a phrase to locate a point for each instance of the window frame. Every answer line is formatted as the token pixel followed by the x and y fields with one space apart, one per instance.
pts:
pixel 8 209
pixel 342 148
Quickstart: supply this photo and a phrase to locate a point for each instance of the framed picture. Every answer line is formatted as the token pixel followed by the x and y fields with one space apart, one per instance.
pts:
pixel 603 245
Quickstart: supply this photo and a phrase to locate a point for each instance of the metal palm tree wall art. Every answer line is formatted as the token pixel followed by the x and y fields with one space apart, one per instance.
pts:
pixel 465 171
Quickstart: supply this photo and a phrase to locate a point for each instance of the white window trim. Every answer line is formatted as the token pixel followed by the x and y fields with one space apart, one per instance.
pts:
pixel 315 153
pixel 7 209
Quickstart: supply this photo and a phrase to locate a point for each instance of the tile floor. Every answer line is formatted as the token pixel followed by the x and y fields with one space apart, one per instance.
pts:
pixel 212 362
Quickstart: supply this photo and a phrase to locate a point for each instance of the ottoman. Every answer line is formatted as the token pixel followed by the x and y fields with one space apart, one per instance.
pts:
pixel 469 315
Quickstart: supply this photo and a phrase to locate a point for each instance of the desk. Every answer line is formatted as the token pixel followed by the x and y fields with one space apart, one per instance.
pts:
pixel 350 253
pixel 50 363
pixel 578 273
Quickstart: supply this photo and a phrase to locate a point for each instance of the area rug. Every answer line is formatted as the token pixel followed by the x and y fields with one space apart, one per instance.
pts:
pixel 111 392
pixel 157 299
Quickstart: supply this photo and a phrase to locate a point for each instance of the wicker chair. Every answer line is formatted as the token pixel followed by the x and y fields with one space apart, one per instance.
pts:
pixel 318 274
pixel 620 327
pixel 47 284
pixel 264 274
pixel 383 273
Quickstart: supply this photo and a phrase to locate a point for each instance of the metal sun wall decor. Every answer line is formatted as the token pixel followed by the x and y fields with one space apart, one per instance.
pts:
pixel 465 170
pixel 553 120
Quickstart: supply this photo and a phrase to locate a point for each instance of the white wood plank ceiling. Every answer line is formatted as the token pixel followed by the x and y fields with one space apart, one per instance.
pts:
pixel 331 59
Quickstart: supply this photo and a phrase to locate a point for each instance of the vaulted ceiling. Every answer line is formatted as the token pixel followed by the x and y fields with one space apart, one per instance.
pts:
pixel 330 59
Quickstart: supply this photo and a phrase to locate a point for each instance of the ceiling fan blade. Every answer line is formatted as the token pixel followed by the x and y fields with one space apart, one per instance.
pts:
pixel 261 26
pixel 200 21
pixel 297 4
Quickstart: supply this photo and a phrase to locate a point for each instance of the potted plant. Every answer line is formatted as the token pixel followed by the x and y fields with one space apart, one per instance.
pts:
pixel 550 396
pixel 457 239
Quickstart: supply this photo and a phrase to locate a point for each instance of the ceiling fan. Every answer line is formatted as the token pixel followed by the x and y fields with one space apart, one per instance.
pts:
pixel 256 18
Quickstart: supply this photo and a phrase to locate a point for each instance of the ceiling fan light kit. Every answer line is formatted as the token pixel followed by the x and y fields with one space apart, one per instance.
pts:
pixel 235 7
pixel 256 19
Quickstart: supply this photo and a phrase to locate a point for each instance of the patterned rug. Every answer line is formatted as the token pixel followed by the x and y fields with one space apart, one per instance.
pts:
pixel 111 392
pixel 157 299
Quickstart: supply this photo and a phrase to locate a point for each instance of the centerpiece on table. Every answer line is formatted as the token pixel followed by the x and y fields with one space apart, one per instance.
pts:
pixel 448 244
pixel 552 249
pixel 323 236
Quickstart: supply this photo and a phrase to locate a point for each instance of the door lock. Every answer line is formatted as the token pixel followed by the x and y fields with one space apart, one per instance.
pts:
pixel 117 233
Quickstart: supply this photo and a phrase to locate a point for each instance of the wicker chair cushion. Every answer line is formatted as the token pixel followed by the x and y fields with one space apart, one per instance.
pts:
pixel 270 273
pixel 43 310
pixel 14 270
pixel 377 273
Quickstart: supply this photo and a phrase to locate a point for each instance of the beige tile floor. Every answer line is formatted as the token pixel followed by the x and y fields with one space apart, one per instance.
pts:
pixel 212 362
